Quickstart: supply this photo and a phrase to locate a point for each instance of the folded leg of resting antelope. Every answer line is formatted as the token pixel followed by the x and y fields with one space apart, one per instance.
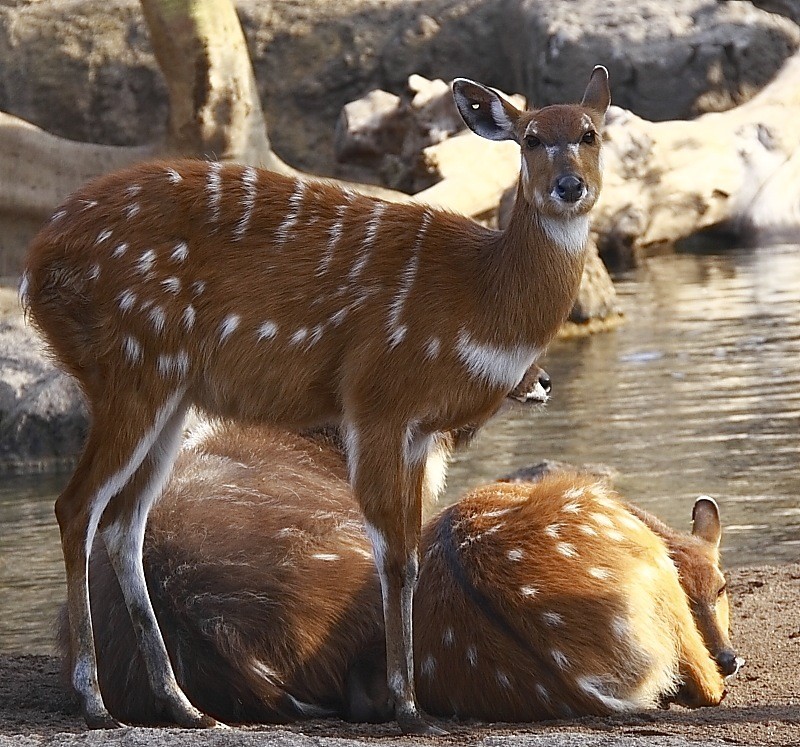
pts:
pixel 535 600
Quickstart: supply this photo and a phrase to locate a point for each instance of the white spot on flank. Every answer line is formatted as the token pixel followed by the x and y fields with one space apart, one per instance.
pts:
pixel 552 619
pixel 397 336
pixel 267 331
pixel 249 180
pixel 338 317
pixel 293 212
pixel 529 591
pixel 133 190
pixel 595 687
pixel 568 233
pixel 89 204
pixel 334 235
pixel 472 656
pixel 599 573
pixel 502 367
pixel 601 519
pixel 514 555
pixel 615 535
pixel 119 250
pixel 572 493
pixel 132 349
pixel 103 236
pixel 127 299
pixel 566 549
pixel 541 691
pixel 553 530
pixel 214 186
pixel 180 252
pixel 173 364
pixel 94 271
pixel 174 176
pixel 448 637
pixel 198 286
pixel 559 658
pixel 299 336
pixel 188 318
pixel 573 507
pixel 171 284
pixel 316 334
pixel 158 318
pixel 266 672
pixel 587 530
pixel 132 210
pixel 329 556
pixel 503 679
pixel 57 216
pixel 620 627
pixel 428 666
pixel 432 348
pixel 145 263
pixel 228 326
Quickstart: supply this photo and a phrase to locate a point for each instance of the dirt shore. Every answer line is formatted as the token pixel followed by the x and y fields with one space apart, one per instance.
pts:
pixel 762 707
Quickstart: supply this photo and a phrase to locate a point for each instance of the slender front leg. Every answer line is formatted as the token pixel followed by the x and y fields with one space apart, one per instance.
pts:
pixel 387 477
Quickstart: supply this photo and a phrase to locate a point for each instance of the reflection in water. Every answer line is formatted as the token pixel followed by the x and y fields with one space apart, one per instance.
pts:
pixel 699 392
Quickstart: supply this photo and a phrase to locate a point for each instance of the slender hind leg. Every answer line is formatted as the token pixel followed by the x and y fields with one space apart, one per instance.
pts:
pixel 387 481
pixel 118 442
pixel 122 530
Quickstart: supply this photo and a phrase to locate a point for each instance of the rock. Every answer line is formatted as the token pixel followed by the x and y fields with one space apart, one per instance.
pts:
pixel 666 60
pixel 370 127
pixel 43 420
pixel 535 472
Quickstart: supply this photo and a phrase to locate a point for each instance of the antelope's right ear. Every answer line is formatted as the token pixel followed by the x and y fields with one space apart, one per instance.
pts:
pixel 705 520
pixel 485 112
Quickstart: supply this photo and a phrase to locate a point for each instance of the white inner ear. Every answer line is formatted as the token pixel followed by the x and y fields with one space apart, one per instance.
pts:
pixel 499 115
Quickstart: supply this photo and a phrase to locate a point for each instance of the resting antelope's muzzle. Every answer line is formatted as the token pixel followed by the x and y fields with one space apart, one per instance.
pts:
pixel 728 662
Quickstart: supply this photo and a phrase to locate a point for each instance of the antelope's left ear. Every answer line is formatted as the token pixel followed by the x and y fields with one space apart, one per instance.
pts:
pixel 597 95
pixel 485 112
pixel 705 520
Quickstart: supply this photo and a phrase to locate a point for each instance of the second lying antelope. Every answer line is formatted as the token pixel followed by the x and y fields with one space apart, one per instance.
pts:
pixel 535 600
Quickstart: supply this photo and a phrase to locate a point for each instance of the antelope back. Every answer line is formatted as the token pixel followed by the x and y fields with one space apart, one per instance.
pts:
pixel 545 600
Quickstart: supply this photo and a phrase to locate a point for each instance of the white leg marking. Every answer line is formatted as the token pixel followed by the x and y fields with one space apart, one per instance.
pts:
pixel 352 447
pixel 249 181
pixel 503 367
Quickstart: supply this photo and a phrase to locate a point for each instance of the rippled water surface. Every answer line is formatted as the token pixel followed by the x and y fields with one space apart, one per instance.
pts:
pixel 699 392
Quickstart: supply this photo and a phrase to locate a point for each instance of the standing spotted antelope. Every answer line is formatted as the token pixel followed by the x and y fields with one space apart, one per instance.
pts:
pixel 534 601
pixel 262 298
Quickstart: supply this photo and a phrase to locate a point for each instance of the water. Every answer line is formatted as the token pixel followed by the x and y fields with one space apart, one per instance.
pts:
pixel 699 392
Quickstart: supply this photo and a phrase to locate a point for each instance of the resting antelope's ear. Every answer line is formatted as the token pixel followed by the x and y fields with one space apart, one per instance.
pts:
pixel 705 520
pixel 485 112
pixel 597 95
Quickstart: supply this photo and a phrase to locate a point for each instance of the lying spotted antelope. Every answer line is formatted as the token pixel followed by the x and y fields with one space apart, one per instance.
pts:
pixel 268 299
pixel 534 601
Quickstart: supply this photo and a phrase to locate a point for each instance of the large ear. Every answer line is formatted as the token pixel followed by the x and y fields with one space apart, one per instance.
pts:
pixel 705 520
pixel 597 95
pixel 486 113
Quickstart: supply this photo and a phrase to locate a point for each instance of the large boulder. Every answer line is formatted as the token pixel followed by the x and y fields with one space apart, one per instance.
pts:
pixel 43 420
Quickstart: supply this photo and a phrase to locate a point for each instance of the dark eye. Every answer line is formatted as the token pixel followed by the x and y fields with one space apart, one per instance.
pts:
pixel 722 590
pixel 532 141
pixel 589 137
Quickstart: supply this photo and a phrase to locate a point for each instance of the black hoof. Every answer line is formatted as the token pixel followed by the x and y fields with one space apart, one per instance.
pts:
pixel 102 720
pixel 416 723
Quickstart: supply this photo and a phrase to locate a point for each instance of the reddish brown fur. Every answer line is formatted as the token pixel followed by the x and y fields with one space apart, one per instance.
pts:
pixel 254 554
pixel 265 299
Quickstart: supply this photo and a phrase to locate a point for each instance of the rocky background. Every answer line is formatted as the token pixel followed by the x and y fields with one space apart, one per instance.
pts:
pixel 354 89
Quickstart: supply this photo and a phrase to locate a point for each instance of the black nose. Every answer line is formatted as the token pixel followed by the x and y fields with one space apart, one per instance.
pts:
pixel 570 188
pixel 728 662
pixel 544 382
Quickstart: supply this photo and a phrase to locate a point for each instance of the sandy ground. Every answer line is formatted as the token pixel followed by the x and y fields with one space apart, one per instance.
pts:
pixel 762 707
